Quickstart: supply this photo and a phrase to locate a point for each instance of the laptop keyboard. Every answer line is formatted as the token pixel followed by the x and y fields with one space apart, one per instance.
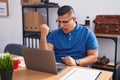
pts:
pixel 60 67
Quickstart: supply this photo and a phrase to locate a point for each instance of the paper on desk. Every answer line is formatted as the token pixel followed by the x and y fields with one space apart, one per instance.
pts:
pixel 81 74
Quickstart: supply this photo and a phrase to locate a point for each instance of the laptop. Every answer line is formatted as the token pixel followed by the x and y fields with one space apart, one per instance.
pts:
pixel 41 60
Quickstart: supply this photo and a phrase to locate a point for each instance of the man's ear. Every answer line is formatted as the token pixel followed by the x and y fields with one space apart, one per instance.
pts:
pixel 74 18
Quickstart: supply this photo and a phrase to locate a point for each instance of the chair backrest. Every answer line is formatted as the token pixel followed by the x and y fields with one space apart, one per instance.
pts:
pixel 14 48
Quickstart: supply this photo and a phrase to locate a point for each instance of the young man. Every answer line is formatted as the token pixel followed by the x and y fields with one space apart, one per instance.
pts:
pixel 72 43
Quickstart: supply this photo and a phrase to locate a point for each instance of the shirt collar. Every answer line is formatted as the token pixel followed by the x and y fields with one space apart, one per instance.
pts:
pixel 75 29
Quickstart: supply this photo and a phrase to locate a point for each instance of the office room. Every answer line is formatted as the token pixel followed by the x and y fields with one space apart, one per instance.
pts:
pixel 12 26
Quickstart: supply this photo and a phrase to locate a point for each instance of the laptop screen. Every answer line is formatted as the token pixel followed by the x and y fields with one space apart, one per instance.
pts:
pixel 40 60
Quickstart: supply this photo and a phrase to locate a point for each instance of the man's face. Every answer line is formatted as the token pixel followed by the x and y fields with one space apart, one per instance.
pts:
pixel 66 23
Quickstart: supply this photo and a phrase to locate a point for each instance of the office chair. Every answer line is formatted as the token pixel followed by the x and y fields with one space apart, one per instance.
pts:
pixel 14 48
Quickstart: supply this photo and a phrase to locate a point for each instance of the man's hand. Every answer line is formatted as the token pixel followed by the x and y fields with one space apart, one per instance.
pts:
pixel 44 30
pixel 69 61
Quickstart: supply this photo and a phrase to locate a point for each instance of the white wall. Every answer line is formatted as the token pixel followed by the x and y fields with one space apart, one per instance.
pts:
pixel 11 27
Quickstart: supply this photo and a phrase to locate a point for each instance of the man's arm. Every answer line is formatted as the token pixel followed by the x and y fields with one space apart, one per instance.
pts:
pixel 44 30
pixel 88 60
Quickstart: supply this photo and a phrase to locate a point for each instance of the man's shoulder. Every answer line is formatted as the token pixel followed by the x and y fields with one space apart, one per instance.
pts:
pixel 82 28
pixel 79 26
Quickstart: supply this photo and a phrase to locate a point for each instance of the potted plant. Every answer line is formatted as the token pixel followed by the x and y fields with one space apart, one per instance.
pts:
pixel 6 66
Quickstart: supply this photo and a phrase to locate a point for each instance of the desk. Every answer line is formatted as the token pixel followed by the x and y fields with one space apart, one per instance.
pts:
pixel 115 38
pixel 26 74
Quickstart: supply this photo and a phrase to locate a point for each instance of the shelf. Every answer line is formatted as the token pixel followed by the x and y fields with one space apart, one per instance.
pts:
pixel 31 38
pixel 115 38
pixel 101 35
pixel 48 5
pixel 106 67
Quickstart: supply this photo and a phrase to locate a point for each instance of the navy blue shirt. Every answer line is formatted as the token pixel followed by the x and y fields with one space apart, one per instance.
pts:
pixel 74 44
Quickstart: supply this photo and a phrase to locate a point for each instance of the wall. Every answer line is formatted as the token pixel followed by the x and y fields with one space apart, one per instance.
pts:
pixel 11 27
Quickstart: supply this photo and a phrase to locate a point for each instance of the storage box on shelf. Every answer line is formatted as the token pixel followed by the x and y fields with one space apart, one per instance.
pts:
pixel 108 24
pixel 29 2
pixel 33 20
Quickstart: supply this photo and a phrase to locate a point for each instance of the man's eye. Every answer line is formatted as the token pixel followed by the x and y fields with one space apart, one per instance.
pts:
pixel 65 21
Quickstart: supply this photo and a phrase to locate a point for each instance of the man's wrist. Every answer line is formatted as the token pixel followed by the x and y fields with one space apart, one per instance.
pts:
pixel 77 61
pixel 43 38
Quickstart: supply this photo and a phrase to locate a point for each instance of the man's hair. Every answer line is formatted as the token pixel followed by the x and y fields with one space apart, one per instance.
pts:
pixel 64 9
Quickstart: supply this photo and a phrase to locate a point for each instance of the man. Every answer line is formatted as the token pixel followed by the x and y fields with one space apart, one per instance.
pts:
pixel 72 43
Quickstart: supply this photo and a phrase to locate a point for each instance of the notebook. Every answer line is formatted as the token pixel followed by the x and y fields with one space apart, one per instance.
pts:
pixel 41 60
pixel 81 73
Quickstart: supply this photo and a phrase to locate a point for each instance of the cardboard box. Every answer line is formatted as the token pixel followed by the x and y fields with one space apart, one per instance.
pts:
pixel 33 20
pixel 29 2
pixel 38 20
pixel 28 21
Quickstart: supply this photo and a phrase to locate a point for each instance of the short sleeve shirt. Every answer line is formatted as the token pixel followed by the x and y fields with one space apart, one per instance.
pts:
pixel 74 44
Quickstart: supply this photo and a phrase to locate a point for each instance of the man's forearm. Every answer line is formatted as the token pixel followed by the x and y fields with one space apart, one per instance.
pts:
pixel 89 60
pixel 43 44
